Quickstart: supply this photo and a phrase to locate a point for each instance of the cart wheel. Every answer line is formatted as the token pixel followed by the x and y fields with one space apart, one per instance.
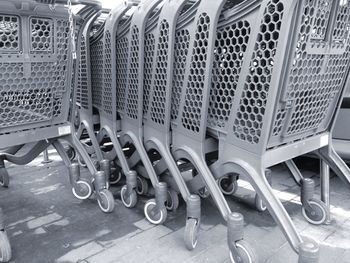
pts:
pixel 154 214
pixel 115 176
pixel 227 185
pixel 259 204
pixel 318 213
pixel 203 192
pixel 81 161
pixel 142 186
pixel 172 202
pixel 106 201
pixel 245 253
pixel 4 177
pixel 129 200
pixel 82 190
pixel 191 233
pixel 71 153
pixel 5 247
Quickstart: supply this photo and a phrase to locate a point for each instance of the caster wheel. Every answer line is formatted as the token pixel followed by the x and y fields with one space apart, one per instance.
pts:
pixel 203 192
pixel 153 214
pixel 172 202
pixel 5 248
pixel 142 186
pixel 318 214
pixel 4 177
pixel 106 201
pixel 191 233
pixel 81 161
pixel 71 153
pixel 115 176
pixel 82 190
pixel 228 185
pixel 259 204
pixel 129 201
pixel 245 253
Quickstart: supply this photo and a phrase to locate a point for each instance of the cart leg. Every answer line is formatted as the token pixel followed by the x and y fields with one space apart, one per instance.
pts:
pixel 325 197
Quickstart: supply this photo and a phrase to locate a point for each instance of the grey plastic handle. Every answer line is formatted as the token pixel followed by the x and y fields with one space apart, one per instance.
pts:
pixel 74 2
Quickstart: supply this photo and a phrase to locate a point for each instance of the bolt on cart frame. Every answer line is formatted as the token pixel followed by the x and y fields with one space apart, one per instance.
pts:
pixel 37 58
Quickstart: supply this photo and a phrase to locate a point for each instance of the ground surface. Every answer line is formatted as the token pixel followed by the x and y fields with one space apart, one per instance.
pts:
pixel 46 223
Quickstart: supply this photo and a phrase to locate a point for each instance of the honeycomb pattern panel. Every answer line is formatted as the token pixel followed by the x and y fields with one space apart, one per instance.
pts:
pixel 148 66
pixel 107 78
pixel 341 27
pixel 278 125
pixel 191 114
pixel 230 47
pixel 96 55
pixel 41 34
pixel 9 33
pixel 182 45
pixel 322 10
pixel 82 89
pixel 62 42
pixel 315 80
pixel 122 52
pixel 249 118
pixel 133 81
pixel 25 100
pixel 160 80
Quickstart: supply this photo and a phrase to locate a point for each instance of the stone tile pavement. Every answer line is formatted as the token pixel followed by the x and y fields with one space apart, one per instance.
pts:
pixel 47 224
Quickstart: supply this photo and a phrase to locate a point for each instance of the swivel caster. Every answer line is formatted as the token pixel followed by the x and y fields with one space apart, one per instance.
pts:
pixel 81 161
pixel 308 252
pixel 314 211
pixel 115 175
pixel 203 192
pixel 129 198
pixel 71 153
pixel 4 177
pixel 191 233
pixel 172 202
pixel 154 214
pixel 142 186
pixel 105 201
pixel 245 253
pixel 259 204
pixel 228 184
pixel 82 189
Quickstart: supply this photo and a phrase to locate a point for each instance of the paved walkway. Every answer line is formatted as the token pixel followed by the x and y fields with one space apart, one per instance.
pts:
pixel 47 224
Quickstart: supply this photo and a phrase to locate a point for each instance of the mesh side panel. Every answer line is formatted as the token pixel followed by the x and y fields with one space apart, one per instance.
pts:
pixel 148 66
pixel 41 34
pixel 133 95
pixel 323 12
pixel 230 46
pixel 82 89
pixel 182 42
pixel 107 89
pixel 121 64
pixel 96 55
pixel 160 83
pixel 314 80
pixel 9 33
pixel 191 115
pixel 249 119
pixel 341 29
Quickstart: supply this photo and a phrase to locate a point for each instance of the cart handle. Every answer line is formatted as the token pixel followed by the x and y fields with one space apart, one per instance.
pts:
pixel 74 2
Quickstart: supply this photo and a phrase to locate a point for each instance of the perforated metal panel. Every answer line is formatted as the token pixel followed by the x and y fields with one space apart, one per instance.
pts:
pixel 230 47
pixel 96 55
pixel 191 115
pixel 148 66
pixel 9 33
pixel 315 80
pixel 33 92
pixel 41 34
pixel 182 41
pixel 82 92
pixel 132 101
pixel 107 89
pixel 249 119
pixel 122 70
pixel 160 81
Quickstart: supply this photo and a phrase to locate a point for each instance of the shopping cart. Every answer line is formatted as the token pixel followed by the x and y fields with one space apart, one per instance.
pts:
pixel 5 247
pixel 36 62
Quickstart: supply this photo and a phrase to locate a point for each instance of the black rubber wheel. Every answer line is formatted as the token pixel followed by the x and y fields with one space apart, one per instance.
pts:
pixel 191 233
pixel 153 214
pixel 228 185
pixel 129 200
pixel 106 201
pixel 245 253
pixel 142 185
pixel 82 190
pixel 172 203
